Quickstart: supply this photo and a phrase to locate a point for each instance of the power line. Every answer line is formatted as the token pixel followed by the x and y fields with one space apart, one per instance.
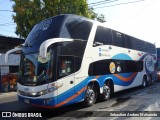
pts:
pixel 138 12
pixel 6 20
pixel 100 2
pixel 6 11
pixel 8 27
pixel 3 21
pixel 120 4
pixel 11 28
pixel 6 30
pixel 96 4
pixel 5 16
pixel 103 2
pixel 7 24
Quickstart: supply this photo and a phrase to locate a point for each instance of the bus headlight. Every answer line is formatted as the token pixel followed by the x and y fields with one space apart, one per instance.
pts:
pixel 44 92
pixel 35 94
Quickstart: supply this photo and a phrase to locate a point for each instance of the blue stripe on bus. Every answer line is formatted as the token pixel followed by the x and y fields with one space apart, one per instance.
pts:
pixel 62 97
pixel 122 56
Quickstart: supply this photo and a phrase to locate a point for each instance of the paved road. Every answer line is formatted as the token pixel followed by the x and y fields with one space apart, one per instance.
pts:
pixel 137 99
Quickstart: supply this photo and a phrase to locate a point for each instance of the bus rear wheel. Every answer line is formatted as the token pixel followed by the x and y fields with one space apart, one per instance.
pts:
pixel 150 80
pixel 144 83
pixel 106 92
pixel 90 95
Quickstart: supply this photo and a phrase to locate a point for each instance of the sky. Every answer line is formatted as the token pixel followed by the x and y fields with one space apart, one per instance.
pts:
pixel 138 18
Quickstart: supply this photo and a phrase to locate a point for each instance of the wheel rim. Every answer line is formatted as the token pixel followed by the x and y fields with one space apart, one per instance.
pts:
pixel 144 83
pixel 106 91
pixel 90 95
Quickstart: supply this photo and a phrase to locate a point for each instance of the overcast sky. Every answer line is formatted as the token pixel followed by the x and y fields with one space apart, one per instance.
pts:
pixel 140 19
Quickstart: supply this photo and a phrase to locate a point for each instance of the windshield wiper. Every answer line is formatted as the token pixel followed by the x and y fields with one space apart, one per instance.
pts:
pixel 42 74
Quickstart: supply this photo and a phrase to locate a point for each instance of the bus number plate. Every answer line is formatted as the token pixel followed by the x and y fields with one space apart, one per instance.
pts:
pixel 26 101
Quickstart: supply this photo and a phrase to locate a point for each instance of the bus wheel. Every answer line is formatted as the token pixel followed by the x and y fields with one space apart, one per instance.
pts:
pixel 150 80
pixel 90 96
pixel 106 92
pixel 144 83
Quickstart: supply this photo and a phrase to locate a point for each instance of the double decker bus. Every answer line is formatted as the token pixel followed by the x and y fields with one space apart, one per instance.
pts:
pixel 68 59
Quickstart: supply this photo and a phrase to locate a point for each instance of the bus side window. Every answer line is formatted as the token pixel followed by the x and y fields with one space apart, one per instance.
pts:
pixel 118 39
pixel 140 45
pixel 103 36
pixel 128 42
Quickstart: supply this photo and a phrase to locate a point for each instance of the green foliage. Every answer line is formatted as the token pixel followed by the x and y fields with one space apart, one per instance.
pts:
pixel 30 12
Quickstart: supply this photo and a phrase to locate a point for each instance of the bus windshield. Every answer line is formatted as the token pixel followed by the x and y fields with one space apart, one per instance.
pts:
pixel 35 70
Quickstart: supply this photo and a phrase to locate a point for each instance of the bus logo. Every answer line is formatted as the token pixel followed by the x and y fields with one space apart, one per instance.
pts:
pixel 149 64
pixel 112 67
pixel 26 89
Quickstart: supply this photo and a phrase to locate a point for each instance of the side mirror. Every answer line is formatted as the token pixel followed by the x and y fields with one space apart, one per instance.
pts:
pixel 9 52
pixel 44 46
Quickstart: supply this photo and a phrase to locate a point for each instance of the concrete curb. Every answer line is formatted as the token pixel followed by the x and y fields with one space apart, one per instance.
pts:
pixel 4 95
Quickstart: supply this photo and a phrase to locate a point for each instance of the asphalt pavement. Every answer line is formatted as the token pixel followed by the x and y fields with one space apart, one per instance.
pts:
pixel 133 100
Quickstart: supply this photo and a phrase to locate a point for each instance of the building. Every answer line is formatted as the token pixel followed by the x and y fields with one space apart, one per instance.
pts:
pixel 7 43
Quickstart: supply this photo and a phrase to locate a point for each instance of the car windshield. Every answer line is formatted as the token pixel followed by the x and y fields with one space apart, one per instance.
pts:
pixel 35 70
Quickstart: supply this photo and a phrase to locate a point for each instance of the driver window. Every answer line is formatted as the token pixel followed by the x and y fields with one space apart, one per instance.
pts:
pixel 29 68
pixel 66 66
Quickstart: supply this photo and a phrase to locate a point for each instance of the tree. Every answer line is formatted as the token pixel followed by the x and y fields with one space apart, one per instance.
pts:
pixel 30 12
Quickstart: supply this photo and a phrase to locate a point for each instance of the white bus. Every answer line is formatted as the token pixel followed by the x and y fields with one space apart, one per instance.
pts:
pixel 68 59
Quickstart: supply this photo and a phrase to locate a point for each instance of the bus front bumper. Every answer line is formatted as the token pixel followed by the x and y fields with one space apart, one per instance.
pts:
pixel 38 102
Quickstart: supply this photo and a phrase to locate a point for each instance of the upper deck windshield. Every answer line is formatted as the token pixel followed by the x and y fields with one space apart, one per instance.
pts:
pixel 63 26
pixel 47 29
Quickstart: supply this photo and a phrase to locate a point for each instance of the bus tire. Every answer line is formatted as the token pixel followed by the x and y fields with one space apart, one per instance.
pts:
pixel 144 82
pixel 90 95
pixel 107 91
pixel 150 80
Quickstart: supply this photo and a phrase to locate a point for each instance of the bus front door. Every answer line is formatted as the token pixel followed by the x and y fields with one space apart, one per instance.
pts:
pixel 66 90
